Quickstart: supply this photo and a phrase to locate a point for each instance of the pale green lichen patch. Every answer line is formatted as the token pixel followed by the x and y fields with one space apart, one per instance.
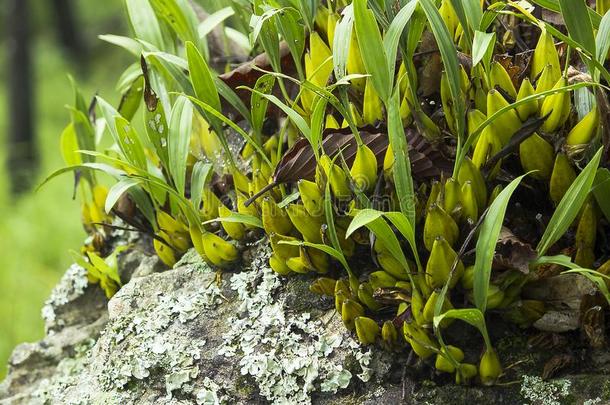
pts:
pixel 539 392
pixel 157 340
pixel 289 355
pixel 71 286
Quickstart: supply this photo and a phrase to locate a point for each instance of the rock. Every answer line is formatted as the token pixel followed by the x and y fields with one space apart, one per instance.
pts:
pixel 193 336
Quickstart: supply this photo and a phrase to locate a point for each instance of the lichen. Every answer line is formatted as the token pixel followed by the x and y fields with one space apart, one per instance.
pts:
pixel 288 355
pixel 540 392
pixel 71 286
pixel 150 347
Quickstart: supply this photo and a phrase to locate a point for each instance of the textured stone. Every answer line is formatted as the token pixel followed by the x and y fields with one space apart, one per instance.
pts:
pixel 188 336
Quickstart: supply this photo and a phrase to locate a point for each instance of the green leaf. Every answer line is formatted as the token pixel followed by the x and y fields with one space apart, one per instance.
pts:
pixel 155 122
pixel 553 5
pixel 117 190
pixel 343 35
pixel 181 17
pixel 372 49
pixel 471 316
pixel 144 22
pixel 401 222
pixel 392 36
pixel 324 248
pixel 210 110
pixel 114 172
pixel 561 260
pixel 576 17
pixel 180 125
pixel 259 104
pixel 602 41
pixel 129 44
pixel 469 14
pixel 294 116
pixel 132 98
pixel 236 217
pixel 289 198
pixel 201 77
pixel 450 61
pixel 213 20
pixel 570 205
pixel 362 218
pixel 233 99
pixel 487 241
pixel 596 277
pixel 482 48
pixel 130 143
pixel 293 33
pixel 201 172
pixel 601 190
pixel 384 233
pixel 144 204
pixel 69 146
pixel 474 13
pixel 128 76
pixel 402 165
pixel 317 123
pixel 268 37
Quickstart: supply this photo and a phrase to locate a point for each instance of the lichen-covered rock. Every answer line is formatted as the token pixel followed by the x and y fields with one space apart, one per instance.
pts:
pixel 195 336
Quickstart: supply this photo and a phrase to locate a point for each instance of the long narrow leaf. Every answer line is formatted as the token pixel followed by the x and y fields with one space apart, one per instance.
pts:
pixel 117 190
pixel 576 16
pixel 570 205
pixel 402 165
pixel 371 49
pixel 201 77
pixel 180 124
pixel 450 61
pixel 486 244
pixel 392 36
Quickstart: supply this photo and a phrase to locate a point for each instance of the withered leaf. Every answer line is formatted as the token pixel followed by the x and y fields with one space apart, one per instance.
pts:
pixel 299 162
pixel 546 340
pixel 150 97
pixel 512 253
pixel 555 364
pixel 391 295
pixel 592 319
pixel 593 325
pixel 247 73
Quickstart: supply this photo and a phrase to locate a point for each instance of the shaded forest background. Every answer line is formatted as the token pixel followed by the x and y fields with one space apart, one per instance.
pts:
pixel 37 229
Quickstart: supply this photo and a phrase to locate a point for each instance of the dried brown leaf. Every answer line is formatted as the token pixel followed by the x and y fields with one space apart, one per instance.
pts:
pixel 555 364
pixel 512 253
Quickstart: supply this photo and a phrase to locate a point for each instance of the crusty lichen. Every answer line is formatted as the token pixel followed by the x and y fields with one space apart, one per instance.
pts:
pixel 151 346
pixel 289 355
pixel 71 286
pixel 540 392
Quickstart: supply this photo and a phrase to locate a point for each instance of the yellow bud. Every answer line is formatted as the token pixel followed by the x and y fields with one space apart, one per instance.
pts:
pixel 489 367
pixel 537 154
pixel 367 329
pixel 585 130
pixel 556 108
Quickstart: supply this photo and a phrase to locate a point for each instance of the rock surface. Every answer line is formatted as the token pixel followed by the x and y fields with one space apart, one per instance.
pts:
pixel 194 336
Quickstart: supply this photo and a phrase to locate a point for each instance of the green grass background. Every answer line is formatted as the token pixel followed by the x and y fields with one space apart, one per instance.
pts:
pixel 38 229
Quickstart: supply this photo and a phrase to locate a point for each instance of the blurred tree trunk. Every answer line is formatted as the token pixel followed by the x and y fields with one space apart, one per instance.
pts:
pixel 66 25
pixel 22 158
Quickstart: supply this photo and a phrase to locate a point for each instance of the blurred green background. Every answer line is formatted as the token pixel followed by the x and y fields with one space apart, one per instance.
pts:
pixel 37 229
